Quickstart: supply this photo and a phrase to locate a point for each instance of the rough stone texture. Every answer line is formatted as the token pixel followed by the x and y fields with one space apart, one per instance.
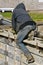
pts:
pixel 19 58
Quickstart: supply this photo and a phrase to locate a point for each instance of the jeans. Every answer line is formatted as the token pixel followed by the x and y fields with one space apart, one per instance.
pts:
pixel 20 37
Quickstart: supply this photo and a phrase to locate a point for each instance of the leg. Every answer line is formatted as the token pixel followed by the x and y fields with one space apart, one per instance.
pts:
pixel 20 37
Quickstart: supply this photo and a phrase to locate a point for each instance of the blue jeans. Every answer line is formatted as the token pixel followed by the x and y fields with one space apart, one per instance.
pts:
pixel 20 37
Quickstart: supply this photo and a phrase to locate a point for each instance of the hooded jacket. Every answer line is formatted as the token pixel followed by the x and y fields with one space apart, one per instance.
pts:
pixel 20 18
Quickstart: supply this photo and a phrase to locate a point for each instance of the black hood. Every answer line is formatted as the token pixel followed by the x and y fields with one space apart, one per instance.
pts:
pixel 21 5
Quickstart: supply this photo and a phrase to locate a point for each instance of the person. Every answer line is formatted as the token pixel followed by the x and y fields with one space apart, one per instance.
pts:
pixel 23 24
